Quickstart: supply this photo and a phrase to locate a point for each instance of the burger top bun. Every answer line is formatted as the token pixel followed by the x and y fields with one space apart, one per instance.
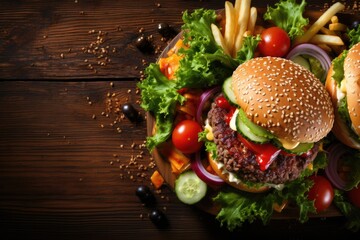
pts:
pixel 352 76
pixel 239 185
pixel 340 129
pixel 284 98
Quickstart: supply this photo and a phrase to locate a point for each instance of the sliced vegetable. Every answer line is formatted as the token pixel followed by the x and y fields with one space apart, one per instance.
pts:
pixel 178 161
pixel 245 130
pixel 335 152
pixel 189 188
pixel 209 178
pixel 205 103
pixel 156 179
pixel 313 51
pixel 343 169
pixel 228 92
pixel 265 153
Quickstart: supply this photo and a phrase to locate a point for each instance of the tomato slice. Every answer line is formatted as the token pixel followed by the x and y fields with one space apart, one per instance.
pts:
pixel 265 153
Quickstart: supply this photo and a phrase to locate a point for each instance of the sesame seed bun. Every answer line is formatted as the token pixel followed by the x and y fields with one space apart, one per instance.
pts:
pixel 284 98
pixel 238 185
pixel 352 76
pixel 352 84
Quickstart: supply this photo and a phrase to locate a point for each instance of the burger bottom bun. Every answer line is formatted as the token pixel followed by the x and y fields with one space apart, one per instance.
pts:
pixel 341 131
pixel 241 186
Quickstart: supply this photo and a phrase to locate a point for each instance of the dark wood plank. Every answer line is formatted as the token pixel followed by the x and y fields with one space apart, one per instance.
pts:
pixel 60 174
pixel 51 39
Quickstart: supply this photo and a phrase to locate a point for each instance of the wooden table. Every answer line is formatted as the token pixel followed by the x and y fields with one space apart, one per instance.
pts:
pixel 69 162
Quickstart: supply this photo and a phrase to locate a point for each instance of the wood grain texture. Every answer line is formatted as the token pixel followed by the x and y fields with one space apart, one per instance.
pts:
pixel 69 163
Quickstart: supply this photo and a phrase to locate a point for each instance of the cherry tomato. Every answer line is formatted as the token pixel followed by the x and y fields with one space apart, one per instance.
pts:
pixel 354 196
pixel 274 42
pixel 321 192
pixel 222 102
pixel 185 136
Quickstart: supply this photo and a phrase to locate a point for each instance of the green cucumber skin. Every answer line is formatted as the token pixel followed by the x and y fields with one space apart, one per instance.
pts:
pixel 228 92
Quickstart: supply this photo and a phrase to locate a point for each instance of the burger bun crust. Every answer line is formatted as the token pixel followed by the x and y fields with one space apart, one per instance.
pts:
pixel 284 98
pixel 352 76
pixel 340 129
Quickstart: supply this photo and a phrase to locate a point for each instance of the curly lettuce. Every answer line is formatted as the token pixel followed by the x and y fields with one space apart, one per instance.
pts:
pixel 238 207
pixel 351 212
pixel 288 15
pixel 354 36
pixel 204 64
pixel 159 96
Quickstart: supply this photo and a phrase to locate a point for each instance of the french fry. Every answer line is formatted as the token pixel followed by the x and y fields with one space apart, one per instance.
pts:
pixel 325 47
pixel 230 26
pixel 252 20
pixel 326 39
pixel 237 6
pixel 242 23
pixel 219 38
pixel 327 31
pixel 337 27
pixel 321 22
pixel 334 19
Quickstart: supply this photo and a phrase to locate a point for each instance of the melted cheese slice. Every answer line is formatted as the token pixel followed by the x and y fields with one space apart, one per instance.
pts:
pixel 289 144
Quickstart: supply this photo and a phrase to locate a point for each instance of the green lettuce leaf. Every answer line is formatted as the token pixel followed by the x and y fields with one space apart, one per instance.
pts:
pixel 159 96
pixel 288 15
pixel 204 65
pixel 210 146
pixel 338 67
pixel 239 207
pixel 248 48
pixel 354 36
pixel 351 212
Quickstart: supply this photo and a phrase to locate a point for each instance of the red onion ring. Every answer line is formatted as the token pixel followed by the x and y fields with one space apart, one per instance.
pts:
pixel 314 51
pixel 203 174
pixel 204 98
pixel 335 152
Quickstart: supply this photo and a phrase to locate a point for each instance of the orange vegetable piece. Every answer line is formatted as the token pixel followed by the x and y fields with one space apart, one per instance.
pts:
pixel 178 161
pixel 156 179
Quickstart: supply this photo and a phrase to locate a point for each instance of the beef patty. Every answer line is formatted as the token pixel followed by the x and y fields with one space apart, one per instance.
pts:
pixel 238 159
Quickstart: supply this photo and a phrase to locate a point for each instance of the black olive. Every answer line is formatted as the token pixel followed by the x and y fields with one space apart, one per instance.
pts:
pixel 355 24
pixel 166 30
pixel 159 218
pixel 145 195
pixel 144 44
pixel 130 112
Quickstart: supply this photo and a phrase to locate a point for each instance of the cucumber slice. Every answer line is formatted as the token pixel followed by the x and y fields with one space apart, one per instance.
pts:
pixel 228 92
pixel 298 150
pixel 301 61
pixel 247 133
pixel 189 188
pixel 255 129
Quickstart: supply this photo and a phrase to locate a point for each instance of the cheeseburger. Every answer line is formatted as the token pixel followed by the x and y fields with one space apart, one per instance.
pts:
pixel 279 111
pixel 343 84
